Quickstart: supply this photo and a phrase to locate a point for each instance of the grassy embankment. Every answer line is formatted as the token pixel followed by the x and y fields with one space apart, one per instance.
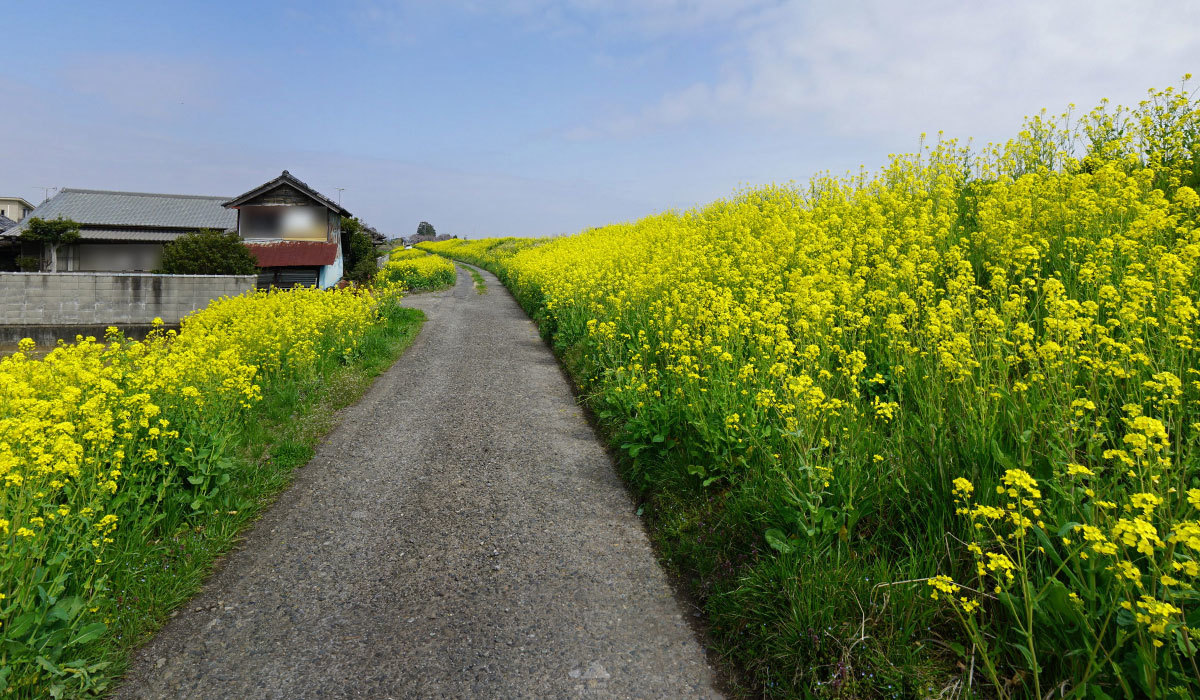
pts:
pixel 927 431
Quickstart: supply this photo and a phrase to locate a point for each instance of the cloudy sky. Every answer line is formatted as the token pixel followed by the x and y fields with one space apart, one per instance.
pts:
pixel 535 117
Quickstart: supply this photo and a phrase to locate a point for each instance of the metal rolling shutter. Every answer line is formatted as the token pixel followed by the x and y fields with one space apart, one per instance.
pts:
pixel 290 277
pixel 287 277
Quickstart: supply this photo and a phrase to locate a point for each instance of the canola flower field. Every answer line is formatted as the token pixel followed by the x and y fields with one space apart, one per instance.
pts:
pixel 925 432
pixel 416 270
pixel 117 453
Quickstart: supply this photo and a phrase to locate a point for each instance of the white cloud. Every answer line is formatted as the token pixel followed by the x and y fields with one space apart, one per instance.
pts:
pixel 882 67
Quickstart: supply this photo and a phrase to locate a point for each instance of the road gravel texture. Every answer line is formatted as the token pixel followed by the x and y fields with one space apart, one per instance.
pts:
pixel 460 534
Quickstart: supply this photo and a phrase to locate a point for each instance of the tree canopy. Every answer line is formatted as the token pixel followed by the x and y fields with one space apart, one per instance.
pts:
pixel 53 233
pixel 208 252
pixel 360 255
pixel 426 229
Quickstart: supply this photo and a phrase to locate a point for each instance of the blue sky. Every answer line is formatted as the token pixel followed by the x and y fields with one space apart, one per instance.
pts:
pixel 533 117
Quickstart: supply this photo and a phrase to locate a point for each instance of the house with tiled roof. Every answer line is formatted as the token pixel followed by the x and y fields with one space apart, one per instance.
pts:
pixel 123 231
pixel 293 231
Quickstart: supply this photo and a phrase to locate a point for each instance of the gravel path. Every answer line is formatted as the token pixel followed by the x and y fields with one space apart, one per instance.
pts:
pixel 461 534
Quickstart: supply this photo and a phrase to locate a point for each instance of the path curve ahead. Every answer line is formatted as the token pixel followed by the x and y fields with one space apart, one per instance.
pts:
pixel 461 534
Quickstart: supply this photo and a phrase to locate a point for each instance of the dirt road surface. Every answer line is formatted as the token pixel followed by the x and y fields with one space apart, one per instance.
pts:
pixel 461 534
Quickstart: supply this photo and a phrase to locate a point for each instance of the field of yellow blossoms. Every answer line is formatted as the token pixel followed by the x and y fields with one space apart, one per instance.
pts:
pixel 417 270
pixel 925 432
pixel 114 443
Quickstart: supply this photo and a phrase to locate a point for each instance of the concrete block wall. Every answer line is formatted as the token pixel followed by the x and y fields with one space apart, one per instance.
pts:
pixel 109 298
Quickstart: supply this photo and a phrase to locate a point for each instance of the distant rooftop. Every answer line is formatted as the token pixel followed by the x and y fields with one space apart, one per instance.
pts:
pixel 286 178
pixel 6 223
pixel 140 216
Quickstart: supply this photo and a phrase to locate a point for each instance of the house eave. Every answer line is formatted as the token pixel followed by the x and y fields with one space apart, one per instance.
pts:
pixel 286 178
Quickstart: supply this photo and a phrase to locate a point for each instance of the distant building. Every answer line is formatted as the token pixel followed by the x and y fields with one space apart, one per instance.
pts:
pixel 376 237
pixel 124 231
pixel 14 208
pixel 6 223
pixel 293 231
pixel 413 240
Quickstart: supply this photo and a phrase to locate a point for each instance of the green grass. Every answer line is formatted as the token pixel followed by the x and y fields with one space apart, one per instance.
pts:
pixel 480 285
pixel 152 578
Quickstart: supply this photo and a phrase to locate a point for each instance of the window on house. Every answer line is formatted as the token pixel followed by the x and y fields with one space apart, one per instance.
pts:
pixel 260 222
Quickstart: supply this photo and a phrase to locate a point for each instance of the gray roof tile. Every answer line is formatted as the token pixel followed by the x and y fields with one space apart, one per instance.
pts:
pixel 6 223
pixel 145 234
pixel 134 210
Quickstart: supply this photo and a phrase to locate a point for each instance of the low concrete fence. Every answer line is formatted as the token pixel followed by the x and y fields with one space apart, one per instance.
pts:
pixel 44 304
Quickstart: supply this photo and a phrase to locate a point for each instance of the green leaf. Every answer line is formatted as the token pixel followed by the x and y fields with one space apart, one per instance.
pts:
pixel 197 504
pixel 1030 662
pixel 19 627
pixel 1067 527
pixel 778 541
pixel 1182 644
pixel 48 665
pixel 1003 459
pixel 1125 618
pixel 195 480
pixel 1057 600
pixel 67 608
pixel 89 633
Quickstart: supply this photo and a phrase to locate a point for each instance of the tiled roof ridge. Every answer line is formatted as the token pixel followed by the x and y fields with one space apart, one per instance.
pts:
pixel 286 177
pixel 80 190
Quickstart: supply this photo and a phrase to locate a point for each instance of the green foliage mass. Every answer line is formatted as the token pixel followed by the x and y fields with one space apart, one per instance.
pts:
pixel 208 252
pixel 360 256
pixel 53 232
